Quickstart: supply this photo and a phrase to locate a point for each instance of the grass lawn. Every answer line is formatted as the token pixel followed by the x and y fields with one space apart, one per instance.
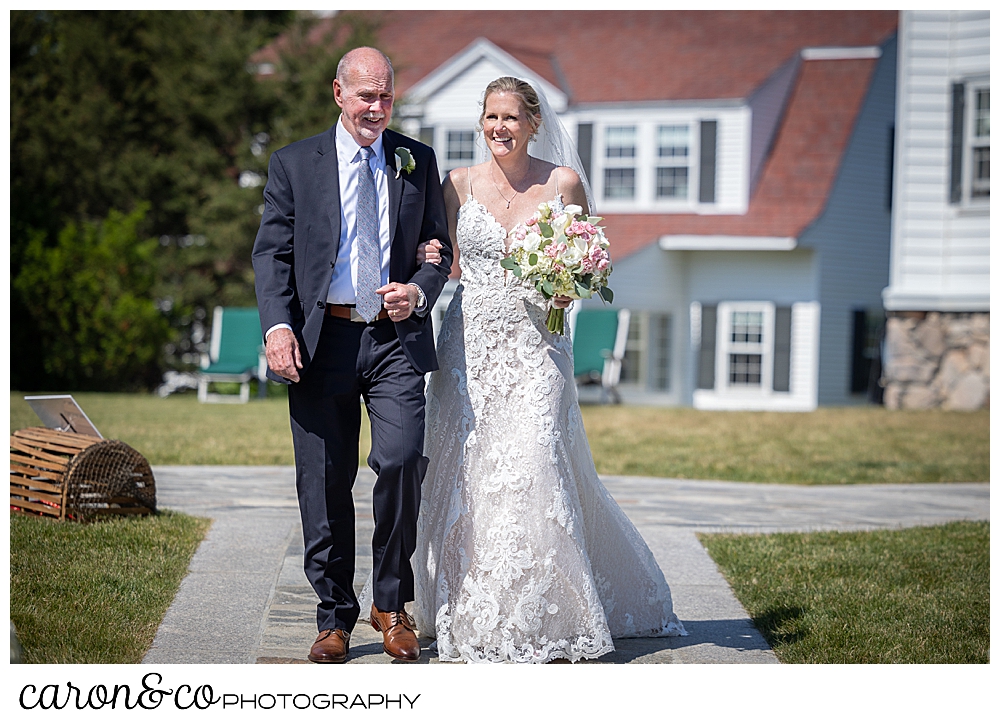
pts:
pixel 830 445
pixel 179 430
pixel 918 595
pixel 96 593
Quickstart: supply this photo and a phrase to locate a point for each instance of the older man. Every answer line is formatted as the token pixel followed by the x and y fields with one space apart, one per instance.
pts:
pixel 344 309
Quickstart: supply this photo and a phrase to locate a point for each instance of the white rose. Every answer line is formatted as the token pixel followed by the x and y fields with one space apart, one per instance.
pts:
pixel 531 242
pixel 572 256
pixel 573 210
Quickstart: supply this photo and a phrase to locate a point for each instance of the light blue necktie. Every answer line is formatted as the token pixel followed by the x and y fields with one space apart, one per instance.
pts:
pixel 368 303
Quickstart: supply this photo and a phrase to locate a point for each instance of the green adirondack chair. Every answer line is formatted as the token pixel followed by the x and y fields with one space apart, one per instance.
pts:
pixel 236 354
pixel 599 337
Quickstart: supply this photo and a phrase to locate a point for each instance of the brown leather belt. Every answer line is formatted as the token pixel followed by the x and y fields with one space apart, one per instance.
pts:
pixel 345 311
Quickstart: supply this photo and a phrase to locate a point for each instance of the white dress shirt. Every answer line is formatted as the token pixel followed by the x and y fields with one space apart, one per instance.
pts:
pixel 344 280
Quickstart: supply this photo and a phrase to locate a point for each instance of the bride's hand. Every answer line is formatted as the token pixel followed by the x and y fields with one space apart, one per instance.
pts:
pixel 561 302
pixel 429 252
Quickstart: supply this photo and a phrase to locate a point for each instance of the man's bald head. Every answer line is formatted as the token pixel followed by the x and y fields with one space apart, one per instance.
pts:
pixel 362 59
pixel 363 89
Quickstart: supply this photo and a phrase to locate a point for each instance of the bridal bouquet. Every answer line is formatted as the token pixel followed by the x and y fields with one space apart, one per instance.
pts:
pixel 562 254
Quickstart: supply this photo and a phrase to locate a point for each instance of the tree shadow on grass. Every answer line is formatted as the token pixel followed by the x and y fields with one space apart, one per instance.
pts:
pixel 782 625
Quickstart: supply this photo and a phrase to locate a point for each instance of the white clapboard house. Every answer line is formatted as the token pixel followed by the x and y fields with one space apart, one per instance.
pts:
pixel 938 298
pixel 742 161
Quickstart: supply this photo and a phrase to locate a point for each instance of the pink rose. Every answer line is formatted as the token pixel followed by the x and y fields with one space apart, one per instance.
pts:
pixel 602 264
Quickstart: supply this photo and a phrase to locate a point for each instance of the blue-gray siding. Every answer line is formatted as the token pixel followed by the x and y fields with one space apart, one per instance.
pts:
pixel 853 233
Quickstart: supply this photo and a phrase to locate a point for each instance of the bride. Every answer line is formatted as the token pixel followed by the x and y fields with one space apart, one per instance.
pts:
pixel 522 554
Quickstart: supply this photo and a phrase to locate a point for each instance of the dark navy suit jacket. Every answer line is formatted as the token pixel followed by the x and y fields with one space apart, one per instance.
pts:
pixel 299 237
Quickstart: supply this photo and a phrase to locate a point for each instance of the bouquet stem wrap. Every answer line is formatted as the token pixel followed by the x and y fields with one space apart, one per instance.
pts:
pixel 556 321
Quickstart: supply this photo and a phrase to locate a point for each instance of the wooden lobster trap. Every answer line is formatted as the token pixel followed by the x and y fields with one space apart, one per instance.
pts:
pixel 68 476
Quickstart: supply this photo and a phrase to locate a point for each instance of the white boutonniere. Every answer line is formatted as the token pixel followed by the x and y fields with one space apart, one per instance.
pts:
pixel 404 161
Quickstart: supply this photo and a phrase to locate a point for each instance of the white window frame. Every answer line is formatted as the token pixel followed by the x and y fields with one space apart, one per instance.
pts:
pixel 647 160
pixel 636 350
pixel 610 162
pixel 644 355
pixel 970 142
pixel 446 164
pixel 724 346
pixel 666 162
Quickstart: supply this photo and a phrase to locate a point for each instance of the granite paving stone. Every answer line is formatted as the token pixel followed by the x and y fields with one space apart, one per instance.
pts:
pixel 246 598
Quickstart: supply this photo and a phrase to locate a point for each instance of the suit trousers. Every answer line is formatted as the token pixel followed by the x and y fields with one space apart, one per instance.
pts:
pixel 353 361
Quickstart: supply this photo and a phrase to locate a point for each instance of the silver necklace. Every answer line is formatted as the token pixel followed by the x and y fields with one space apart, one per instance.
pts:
pixel 512 185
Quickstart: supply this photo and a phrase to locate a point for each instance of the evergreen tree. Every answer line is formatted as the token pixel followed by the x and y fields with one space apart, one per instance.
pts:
pixel 116 111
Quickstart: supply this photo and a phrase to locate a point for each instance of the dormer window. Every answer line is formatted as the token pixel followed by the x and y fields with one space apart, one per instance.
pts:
pixel 673 153
pixel 619 167
pixel 460 149
pixel 667 160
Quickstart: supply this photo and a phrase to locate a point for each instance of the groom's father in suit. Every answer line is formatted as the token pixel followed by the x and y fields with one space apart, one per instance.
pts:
pixel 344 309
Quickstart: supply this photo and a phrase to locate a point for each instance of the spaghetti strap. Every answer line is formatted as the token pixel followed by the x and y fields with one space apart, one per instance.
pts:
pixel 468 177
pixel 556 173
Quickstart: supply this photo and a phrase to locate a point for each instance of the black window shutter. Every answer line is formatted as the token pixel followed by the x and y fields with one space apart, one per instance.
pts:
pixel 585 147
pixel 706 355
pixel 957 132
pixel 706 187
pixel 860 364
pixel 427 135
pixel 781 380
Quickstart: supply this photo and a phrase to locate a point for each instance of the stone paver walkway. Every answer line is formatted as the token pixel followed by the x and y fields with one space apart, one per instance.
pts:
pixel 246 599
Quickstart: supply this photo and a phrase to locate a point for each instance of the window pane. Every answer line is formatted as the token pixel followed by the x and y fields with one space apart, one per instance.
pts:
pixel 981 172
pixel 619 183
pixel 983 113
pixel 748 327
pixel 661 369
pixel 672 142
pixel 461 145
pixel 672 183
pixel 632 362
pixel 744 369
pixel 620 141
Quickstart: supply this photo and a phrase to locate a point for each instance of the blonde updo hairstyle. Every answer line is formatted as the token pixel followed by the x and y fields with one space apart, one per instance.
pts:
pixel 524 92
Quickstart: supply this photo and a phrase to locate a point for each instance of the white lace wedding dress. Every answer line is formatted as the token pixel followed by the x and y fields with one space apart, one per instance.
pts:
pixel 522 554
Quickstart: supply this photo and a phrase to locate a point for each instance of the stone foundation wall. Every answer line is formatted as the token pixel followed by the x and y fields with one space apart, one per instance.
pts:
pixel 937 359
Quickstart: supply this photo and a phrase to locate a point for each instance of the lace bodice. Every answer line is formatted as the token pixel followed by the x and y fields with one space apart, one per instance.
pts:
pixel 482 244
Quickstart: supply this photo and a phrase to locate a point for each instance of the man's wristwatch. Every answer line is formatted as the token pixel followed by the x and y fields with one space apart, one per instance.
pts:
pixel 421 299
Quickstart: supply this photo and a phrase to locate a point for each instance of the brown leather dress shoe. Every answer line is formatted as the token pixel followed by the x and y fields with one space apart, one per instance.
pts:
pixel 330 647
pixel 398 639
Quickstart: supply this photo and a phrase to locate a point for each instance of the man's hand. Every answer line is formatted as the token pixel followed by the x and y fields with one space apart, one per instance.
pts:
pixel 282 350
pixel 399 299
